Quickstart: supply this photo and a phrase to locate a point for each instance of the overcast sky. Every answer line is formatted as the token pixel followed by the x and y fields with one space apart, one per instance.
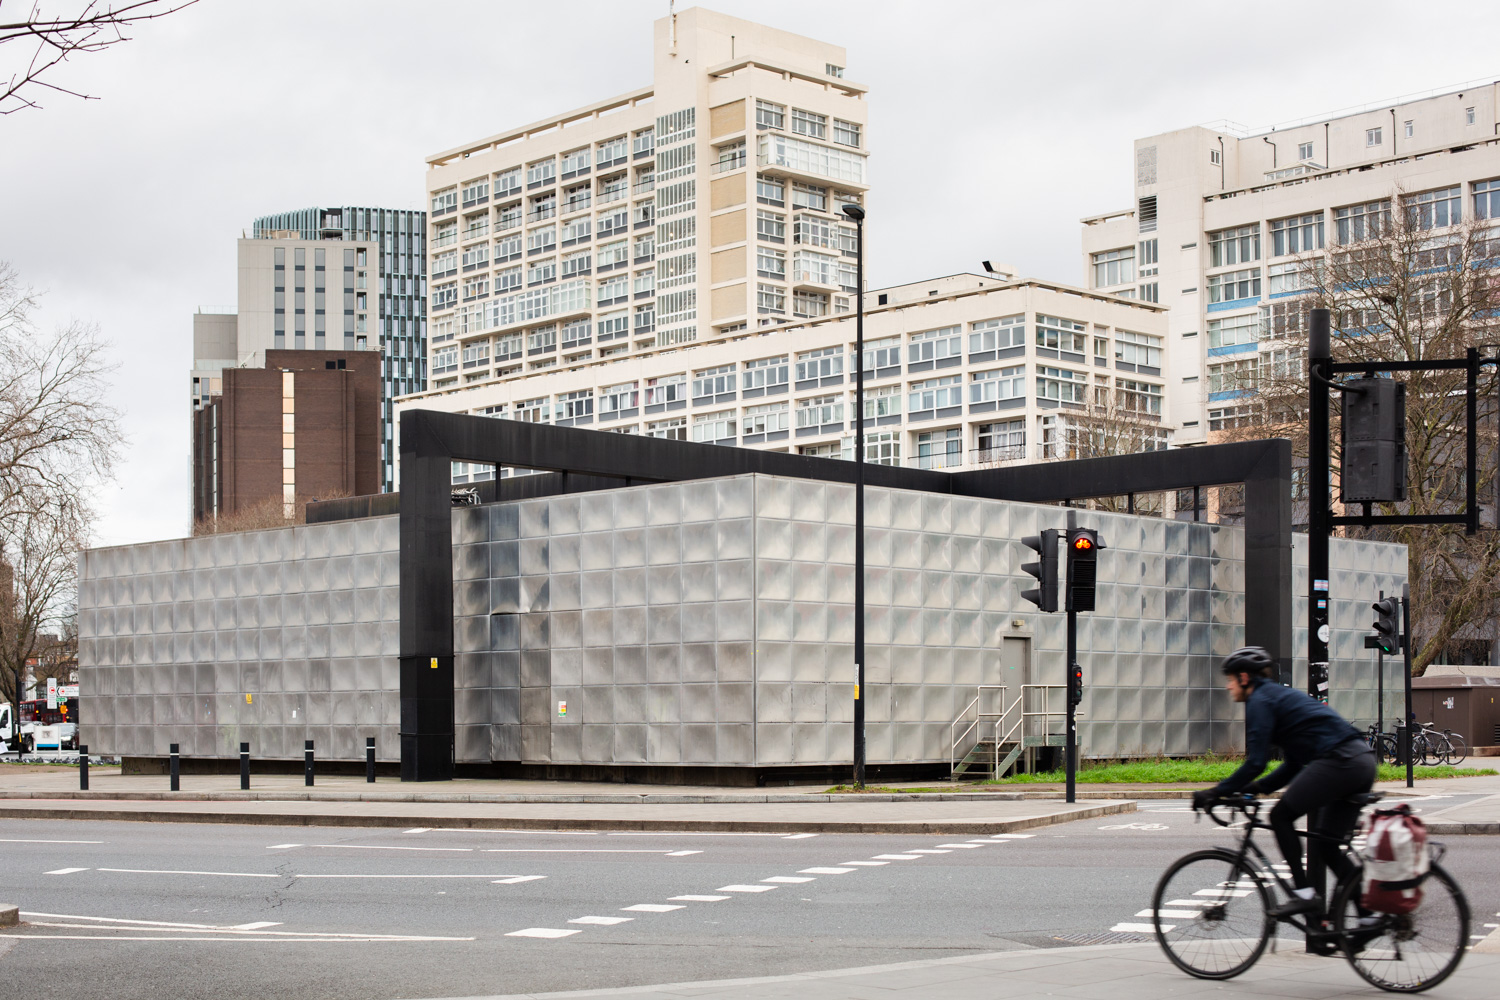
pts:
pixel 994 127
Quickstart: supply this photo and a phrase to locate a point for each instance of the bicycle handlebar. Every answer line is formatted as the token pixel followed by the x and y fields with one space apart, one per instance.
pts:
pixel 1245 803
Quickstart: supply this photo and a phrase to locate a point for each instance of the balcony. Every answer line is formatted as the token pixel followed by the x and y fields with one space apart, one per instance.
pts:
pixel 445 239
pixel 939 460
pixel 475 232
pixel 545 212
pixel 729 163
pixel 577 204
pixel 995 456
pixel 613 195
pixel 506 222
pixel 812 280
pixel 644 187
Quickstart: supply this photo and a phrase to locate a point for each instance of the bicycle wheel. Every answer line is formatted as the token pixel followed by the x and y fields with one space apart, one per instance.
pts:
pixel 1424 751
pixel 1387 749
pixel 1411 952
pixel 1460 748
pixel 1210 911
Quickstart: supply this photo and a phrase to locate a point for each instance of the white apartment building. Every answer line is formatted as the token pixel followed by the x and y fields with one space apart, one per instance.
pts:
pixel 1223 221
pixel 963 371
pixel 697 208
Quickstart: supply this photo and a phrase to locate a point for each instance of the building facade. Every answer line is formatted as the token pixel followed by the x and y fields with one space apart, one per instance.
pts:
pixel 696 209
pixel 1225 224
pixel 303 426
pixel 702 623
pixel 962 371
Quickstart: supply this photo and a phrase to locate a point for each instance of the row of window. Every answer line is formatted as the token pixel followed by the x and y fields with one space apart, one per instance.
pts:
pixel 502 183
pixel 769 115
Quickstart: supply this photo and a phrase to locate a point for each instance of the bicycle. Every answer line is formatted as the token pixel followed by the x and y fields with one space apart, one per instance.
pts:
pixel 1384 745
pixel 1211 914
pixel 1459 746
pixel 1449 746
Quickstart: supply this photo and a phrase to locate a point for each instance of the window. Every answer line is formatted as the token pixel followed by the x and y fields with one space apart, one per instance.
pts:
pixel 1228 418
pixel 1292 277
pixel 997 334
pixel 1284 363
pixel 1056 334
pixel 1468 116
pixel 1139 397
pixel 576 263
pixel 1354 223
pixel 833 449
pixel 1297 234
pixel 770 298
pixel 1234 246
pixel 575 332
pixel 824 363
pixel 809 304
pixel 1304 150
pixel 769 374
pixel 645 318
pixel 1372 137
pixel 1114 267
pixel 1214 157
pixel 542 270
pixel 475 287
pixel 935 345
pixel 644 142
pixel 645 281
pixel 808 123
pixel 1487 199
pixel 770 226
pixel 615 289
pixel 473 257
pixel 443 201
pixel 673 428
pixel 770 263
pixel 768 418
pixel 714 381
pixel 935 394
pixel 731 156
pixel 577 197
pixel 768 115
pixel 1234 285
pixel 1435 209
pixel 614 253
pixel 1286 319
pixel 883 402
pixel 444 263
pixel 809 196
pixel 817 268
pixel 614 398
pixel 541 239
pixel 820 411
pixel 573 405
pixel 833 70
pixel 714 427
pixel 1232 376
pixel 846 133
pixel 543 338
pixel 1001 442
pixel 540 172
pixel 445 359
pixel 614 149
pixel 940 449
pixel 508 182
pixel 645 247
pixel 667 389
pixel 614 324
pixel 475 190
pixel 508 249
pixel 1001 383
pixel 1408 130
pixel 445 296
pixel 770 189
pixel 1060 384
pixel 811 158
pixel 1138 348
pixel 533 411
pixel 813 230
pixel 884 353
pixel 1233 331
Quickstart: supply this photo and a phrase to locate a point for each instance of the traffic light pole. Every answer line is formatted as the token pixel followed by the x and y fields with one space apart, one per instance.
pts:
pixel 1320 359
pixel 1072 746
pixel 1406 659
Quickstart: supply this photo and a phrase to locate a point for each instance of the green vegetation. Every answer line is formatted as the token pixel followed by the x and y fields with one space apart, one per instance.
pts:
pixel 1200 770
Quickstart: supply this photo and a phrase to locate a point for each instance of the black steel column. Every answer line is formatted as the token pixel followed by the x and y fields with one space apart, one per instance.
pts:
pixel 1071 752
pixel 83 767
pixel 1379 692
pixel 1406 661
pixel 857 214
pixel 1319 356
pixel 244 767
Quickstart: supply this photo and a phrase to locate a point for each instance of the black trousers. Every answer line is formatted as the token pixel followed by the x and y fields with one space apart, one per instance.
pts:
pixel 1319 790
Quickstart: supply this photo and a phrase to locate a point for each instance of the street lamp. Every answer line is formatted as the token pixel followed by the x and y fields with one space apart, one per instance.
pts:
pixel 858 215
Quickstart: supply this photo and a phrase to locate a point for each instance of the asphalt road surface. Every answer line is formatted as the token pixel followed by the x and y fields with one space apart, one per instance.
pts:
pixel 124 910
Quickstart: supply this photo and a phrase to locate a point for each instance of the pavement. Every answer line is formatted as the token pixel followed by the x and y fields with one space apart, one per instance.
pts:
pixel 1121 972
pixel 51 792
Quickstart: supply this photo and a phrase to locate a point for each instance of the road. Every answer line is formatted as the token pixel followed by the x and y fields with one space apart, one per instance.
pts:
pixel 125 910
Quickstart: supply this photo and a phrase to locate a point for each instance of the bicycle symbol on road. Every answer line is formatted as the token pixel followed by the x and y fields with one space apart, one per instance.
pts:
pixel 1135 826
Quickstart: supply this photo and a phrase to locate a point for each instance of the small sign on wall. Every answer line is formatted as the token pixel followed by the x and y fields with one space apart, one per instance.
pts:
pixel 562 709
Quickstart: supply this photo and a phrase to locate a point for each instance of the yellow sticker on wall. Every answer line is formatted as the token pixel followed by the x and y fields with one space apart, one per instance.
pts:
pixel 247 699
pixel 434 663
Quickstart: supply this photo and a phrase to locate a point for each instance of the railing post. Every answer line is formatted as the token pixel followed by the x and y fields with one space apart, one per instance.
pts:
pixel 307 763
pixel 370 759
pixel 83 767
pixel 244 767
pixel 173 767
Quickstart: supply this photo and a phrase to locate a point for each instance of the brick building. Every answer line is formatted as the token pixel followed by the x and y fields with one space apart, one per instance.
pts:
pixel 304 426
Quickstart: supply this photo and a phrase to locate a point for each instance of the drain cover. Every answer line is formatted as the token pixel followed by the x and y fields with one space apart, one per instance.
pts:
pixel 1104 937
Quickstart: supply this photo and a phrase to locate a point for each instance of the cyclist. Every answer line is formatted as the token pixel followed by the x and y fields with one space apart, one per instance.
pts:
pixel 1326 760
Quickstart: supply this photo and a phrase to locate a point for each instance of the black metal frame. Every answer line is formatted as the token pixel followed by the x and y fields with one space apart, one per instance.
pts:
pixel 432 440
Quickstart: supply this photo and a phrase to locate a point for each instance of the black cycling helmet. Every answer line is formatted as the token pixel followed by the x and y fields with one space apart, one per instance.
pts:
pixel 1252 660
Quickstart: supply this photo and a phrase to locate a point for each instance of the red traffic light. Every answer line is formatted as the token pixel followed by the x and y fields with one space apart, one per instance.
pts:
pixel 1082 543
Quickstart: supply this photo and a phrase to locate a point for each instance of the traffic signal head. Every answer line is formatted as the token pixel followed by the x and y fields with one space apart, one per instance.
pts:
pixel 1387 625
pixel 1083 561
pixel 1374 440
pixel 1044 594
pixel 1075 685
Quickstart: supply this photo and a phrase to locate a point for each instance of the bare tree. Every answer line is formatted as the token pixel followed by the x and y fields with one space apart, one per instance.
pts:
pixel 1404 279
pixel 1123 418
pixel 44 41
pixel 269 513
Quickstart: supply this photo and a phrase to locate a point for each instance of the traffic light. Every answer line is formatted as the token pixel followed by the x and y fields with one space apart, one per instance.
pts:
pixel 1044 594
pixel 1083 564
pixel 1387 626
pixel 1374 438
pixel 1075 686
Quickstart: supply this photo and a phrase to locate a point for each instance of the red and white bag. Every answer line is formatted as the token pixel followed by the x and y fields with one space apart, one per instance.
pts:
pixel 1396 861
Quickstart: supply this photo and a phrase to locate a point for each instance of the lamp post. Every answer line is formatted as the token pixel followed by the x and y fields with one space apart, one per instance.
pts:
pixel 858 215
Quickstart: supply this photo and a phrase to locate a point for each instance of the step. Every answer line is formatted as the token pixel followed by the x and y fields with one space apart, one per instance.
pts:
pixel 1484 751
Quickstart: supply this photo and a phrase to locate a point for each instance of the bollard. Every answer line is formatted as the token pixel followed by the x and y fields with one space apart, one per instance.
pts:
pixel 307 763
pixel 175 772
pixel 244 767
pixel 83 767
pixel 370 759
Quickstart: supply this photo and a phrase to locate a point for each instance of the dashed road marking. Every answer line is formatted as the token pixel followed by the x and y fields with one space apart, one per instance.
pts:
pixel 699 899
pixel 381 847
pixel 792 879
pixel 745 888
pixel 651 908
pixel 864 864
pixel 1013 836
pixel 418 829
pixel 1173 914
pixel 928 850
pixel 601 921
pixel 798 836
pixel 964 847
pixel 518 879
pixel 21 841
pixel 681 854
pixel 1140 928
pixel 899 857
pixel 282 847
pixel 543 932
pixel 826 871
pixel 258 925
pixel 67 871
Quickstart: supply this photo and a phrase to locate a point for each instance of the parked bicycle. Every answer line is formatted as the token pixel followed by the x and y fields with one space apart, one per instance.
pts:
pixel 1211 913
pixel 1429 746
pixel 1384 744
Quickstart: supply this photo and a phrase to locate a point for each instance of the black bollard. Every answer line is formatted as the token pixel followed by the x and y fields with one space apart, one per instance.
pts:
pixel 307 763
pixel 370 759
pixel 176 773
pixel 244 767
pixel 83 767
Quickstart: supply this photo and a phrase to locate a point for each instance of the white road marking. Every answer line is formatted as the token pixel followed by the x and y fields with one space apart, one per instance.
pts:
pixel 985 842
pixel 826 871
pixel 798 836
pixel 681 854
pixel 791 879
pixel 601 921
pixel 544 932
pixel 152 871
pixel 418 829
pixel 556 850
pixel 928 850
pixel 1013 836
pixel 1189 902
pixel 1176 914
pixel 1140 928
pixel 281 847
pixel 693 833
pixel 1221 893
pixel 379 847
pixel 745 888
pixel 65 871
pixel 963 847
pixel 258 925
pixel 651 908
pixel 864 864
pixel 899 857
pixel 1134 826
pixel 18 841
pixel 310 938
pixel 239 932
pixel 518 879
pixel 699 899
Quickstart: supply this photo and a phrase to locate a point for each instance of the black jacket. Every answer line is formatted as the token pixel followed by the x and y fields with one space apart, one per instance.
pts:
pixel 1304 728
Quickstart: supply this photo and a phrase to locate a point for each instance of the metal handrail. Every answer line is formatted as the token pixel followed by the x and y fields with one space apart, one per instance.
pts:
pixel 1046 713
pixel 955 737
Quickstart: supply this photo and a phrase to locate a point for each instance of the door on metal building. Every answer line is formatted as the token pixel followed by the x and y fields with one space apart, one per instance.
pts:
pixel 1015 674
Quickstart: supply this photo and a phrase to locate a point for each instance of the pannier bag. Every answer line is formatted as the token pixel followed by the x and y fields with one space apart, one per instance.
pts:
pixel 1396 861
